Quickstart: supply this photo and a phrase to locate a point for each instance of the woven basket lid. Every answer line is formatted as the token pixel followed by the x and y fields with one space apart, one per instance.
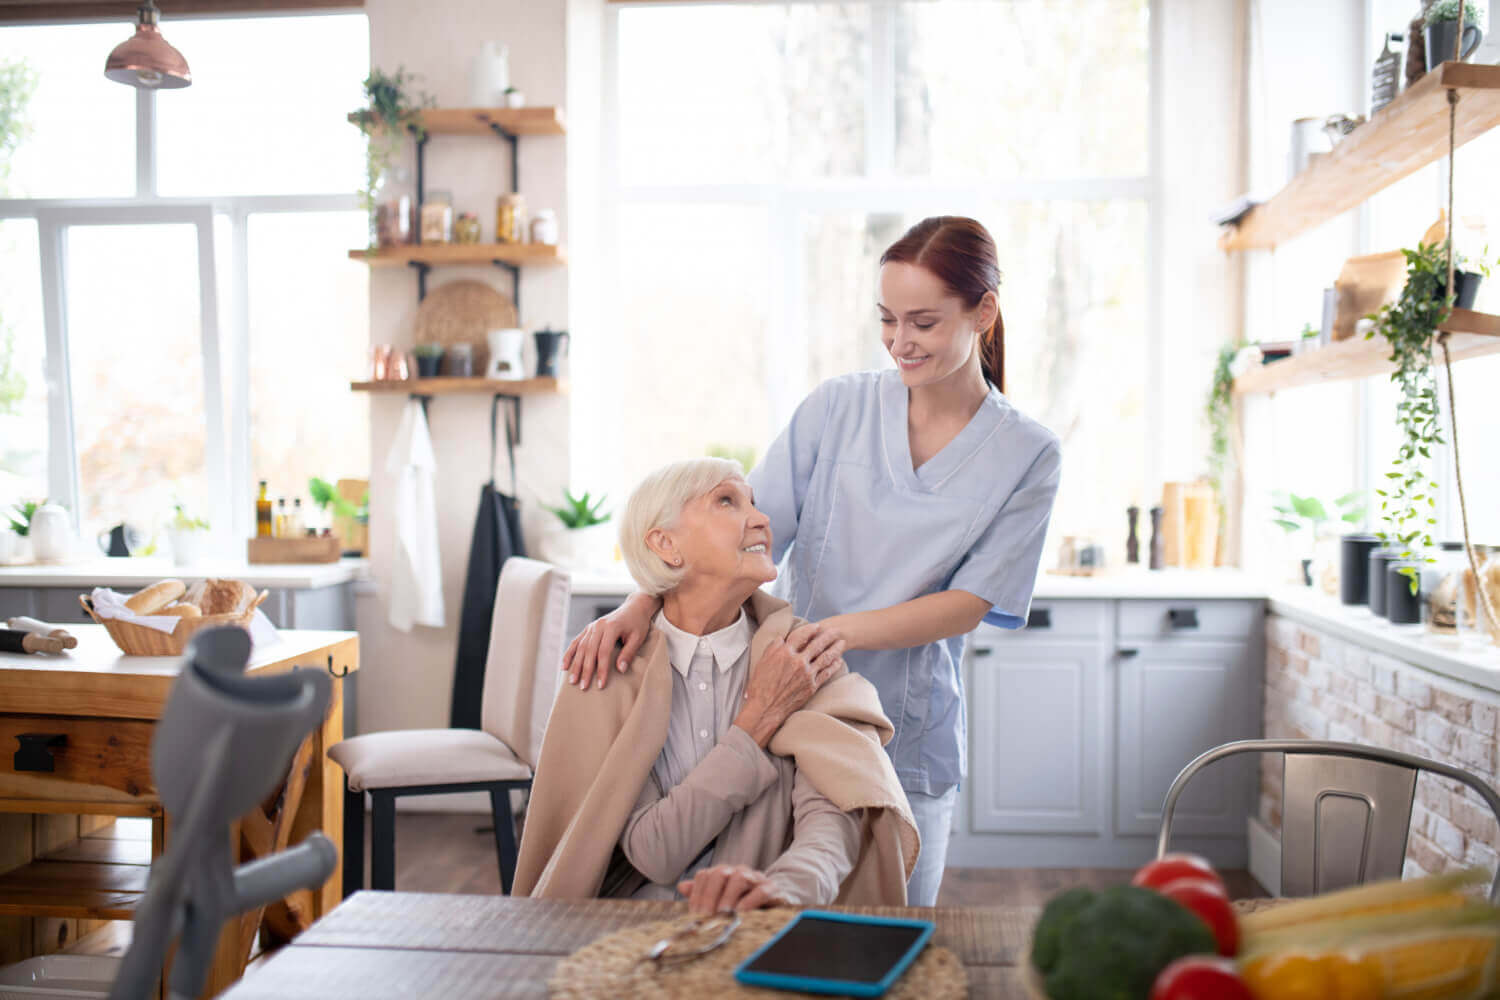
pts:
pixel 462 312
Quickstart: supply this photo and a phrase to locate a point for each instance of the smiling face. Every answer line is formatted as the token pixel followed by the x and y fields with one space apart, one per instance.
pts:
pixel 719 537
pixel 925 327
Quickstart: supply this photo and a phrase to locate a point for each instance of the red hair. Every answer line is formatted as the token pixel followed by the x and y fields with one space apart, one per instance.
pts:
pixel 961 253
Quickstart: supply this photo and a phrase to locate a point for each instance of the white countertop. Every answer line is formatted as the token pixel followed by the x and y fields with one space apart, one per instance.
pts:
pixel 131 572
pixel 1215 584
pixel 97 653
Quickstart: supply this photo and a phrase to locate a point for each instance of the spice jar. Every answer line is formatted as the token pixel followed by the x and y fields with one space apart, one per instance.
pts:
pixel 510 219
pixel 458 360
pixel 466 229
pixel 544 227
pixel 437 218
pixel 393 222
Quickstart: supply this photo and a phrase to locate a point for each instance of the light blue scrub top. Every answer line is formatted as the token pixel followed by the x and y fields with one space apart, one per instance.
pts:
pixel 860 530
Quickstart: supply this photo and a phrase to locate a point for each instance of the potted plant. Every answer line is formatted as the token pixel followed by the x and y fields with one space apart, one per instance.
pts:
pixel 1440 24
pixel 392 112
pixel 1409 326
pixel 1307 339
pixel 1468 273
pixel 1296 513
pixel 429 359
pixel 581 536
pixel 353 532
pixel 186 533
pixel 15 541
pixel 514 98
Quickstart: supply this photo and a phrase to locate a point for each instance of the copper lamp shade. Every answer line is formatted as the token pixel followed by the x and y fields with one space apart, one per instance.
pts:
pixel 146 60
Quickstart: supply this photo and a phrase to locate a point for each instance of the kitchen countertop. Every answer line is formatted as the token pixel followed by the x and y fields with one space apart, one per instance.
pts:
pixel 129 573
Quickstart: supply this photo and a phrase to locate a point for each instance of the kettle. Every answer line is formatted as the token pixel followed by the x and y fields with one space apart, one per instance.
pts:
pixel 51 533
pixel 548 346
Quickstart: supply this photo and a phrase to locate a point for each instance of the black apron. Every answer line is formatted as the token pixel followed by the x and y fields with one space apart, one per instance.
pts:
pixel 497 537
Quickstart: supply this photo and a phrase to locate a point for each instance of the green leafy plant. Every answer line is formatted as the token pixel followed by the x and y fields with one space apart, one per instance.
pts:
pixel 1296 513
pixel 1308 331
pixel 393 111
pixel 325 496
pixel 1409 326
pixel 743 454
pixel 182 521
pixel 1447 10
pixel 427 349
pixel 577 512
pixel 20 517
pixel 1220 412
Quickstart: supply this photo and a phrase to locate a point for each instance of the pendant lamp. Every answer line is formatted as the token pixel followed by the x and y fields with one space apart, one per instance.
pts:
pixel 146 60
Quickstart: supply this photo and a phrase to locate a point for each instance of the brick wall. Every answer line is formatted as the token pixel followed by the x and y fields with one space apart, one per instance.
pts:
pixel 1319 686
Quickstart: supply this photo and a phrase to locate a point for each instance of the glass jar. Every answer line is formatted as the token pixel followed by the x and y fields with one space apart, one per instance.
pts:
pixel 458 360
pixel 544 227
pixel 437 218
pixel 393 222
pixel 1448 614
pixel 510 219
pixel 466 229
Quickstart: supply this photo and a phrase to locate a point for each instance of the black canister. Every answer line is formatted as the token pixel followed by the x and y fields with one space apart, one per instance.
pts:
pixel 1402 607
pixel 1354 568
pixel 1379 559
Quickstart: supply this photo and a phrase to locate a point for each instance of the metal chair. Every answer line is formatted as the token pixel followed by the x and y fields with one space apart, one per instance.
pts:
pixel 1345 811
pixel 223 745
pixel 521 677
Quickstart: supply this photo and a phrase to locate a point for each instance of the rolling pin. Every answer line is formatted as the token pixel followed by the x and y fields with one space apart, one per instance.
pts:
pixel 14 640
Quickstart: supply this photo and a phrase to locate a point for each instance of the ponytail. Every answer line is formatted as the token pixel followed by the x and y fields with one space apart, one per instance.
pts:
pixel 992 352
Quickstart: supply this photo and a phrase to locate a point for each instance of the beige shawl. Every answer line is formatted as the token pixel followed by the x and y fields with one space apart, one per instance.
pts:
pixel 600 747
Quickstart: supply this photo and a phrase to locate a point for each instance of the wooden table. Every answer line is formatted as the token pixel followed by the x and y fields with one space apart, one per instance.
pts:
pixel 380 945
pixel 106 704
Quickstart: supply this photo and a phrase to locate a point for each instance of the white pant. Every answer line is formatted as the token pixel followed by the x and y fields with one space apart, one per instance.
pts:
pixel 934 816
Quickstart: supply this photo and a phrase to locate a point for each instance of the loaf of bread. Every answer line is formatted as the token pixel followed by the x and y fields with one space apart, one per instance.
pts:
pixel 216 596
pixel 182 610
pixel 155 597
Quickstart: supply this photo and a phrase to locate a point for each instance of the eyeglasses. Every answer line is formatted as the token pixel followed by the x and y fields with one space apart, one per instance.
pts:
pixel 695 940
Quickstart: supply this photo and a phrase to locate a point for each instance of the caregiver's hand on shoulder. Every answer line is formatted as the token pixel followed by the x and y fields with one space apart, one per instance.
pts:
pixel 730 887
pixel 587 659
pixel 816 638
pixel 781 682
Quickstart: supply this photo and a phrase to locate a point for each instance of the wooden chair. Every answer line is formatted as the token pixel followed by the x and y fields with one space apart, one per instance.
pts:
pixel 1345 811
pixel 521 677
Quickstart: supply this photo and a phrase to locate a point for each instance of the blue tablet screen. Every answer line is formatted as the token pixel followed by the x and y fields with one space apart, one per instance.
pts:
pixel 815 948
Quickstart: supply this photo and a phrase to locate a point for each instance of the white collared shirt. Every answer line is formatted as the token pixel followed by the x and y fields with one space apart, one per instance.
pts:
pixel 708 683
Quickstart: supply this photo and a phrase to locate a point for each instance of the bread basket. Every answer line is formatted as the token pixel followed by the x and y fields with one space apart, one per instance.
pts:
pixel 138 640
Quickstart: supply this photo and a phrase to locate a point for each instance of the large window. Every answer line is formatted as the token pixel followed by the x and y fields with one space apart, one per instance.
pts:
pixel 760 157
pixel 179 315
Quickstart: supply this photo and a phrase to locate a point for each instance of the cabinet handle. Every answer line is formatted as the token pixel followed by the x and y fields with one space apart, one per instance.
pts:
pixel 1039 618
pixel 37 751
pixel 1126 654
pixel 1183 617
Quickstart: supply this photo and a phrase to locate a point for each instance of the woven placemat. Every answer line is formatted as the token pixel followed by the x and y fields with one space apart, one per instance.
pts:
pixel 462 312
pixel 612 967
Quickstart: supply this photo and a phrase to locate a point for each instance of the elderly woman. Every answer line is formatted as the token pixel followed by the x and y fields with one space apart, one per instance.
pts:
pixel 730 770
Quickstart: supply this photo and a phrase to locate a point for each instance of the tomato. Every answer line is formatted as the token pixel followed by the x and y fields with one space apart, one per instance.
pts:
pixel 1209 901
pixel 1200 977
pixel 1170 867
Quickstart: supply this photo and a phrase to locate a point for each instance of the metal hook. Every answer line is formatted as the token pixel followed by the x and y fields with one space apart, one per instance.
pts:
pixel 334 672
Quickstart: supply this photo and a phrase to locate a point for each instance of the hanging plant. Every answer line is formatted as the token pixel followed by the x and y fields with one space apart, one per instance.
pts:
pixel 1409 326
pixel 393 112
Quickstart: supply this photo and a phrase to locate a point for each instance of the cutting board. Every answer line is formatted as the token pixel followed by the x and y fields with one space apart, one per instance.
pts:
pixel 1364 285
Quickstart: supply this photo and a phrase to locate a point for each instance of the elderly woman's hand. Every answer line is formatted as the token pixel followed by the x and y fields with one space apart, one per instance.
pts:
pixel 730 887
pixel 782 681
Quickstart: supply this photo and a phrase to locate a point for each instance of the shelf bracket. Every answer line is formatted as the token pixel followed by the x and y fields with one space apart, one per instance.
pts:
pixel 515 283
pixel 422 269
pixel 515 412
pixel 515 159
pixel 420 136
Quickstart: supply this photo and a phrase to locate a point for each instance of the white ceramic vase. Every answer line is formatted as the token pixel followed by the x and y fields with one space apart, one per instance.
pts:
pixel 187 545
pixel 51 533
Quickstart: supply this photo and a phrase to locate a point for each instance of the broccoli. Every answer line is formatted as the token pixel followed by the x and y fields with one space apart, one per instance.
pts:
pixel 1111 945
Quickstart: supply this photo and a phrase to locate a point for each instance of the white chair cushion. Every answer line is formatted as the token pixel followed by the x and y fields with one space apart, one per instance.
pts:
pixel 426 757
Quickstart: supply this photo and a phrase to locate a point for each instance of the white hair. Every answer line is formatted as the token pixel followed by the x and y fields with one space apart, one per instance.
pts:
pixel 657 502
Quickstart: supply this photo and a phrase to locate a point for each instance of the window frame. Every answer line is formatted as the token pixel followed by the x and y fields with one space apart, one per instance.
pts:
pixel 880 190
pixel 226 325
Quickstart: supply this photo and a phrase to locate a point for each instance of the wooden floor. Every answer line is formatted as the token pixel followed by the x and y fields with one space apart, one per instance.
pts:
pixel 440 852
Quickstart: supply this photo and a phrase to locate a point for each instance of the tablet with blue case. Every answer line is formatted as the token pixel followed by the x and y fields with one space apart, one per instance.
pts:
pixel 836 953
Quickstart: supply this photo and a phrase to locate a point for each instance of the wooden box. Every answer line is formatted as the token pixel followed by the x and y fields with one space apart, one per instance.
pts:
pixel 295 550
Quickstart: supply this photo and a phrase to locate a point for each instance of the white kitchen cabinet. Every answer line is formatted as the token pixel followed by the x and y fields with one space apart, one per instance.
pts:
pixel 1076 730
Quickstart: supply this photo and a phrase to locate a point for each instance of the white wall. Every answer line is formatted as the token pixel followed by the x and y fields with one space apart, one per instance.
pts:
pixel 406 679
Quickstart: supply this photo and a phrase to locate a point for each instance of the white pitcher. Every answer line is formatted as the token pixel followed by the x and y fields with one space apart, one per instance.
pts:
pixel 51 533
pixel 505 354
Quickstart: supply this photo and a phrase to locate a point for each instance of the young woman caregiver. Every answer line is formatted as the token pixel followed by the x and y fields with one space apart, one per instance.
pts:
pixel 910 505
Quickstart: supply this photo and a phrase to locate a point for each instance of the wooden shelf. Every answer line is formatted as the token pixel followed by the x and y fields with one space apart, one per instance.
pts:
pixel 444 385
pixel 458 254
pixel 1472 335
pixel 483 121
pixel 1402 137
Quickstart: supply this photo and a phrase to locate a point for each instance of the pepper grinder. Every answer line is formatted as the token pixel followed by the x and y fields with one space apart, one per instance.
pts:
pixel 1158 541
pixel 1132 544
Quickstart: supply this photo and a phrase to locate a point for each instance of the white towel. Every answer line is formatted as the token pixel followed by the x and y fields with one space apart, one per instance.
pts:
pixel 110 604
pixel 417 572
